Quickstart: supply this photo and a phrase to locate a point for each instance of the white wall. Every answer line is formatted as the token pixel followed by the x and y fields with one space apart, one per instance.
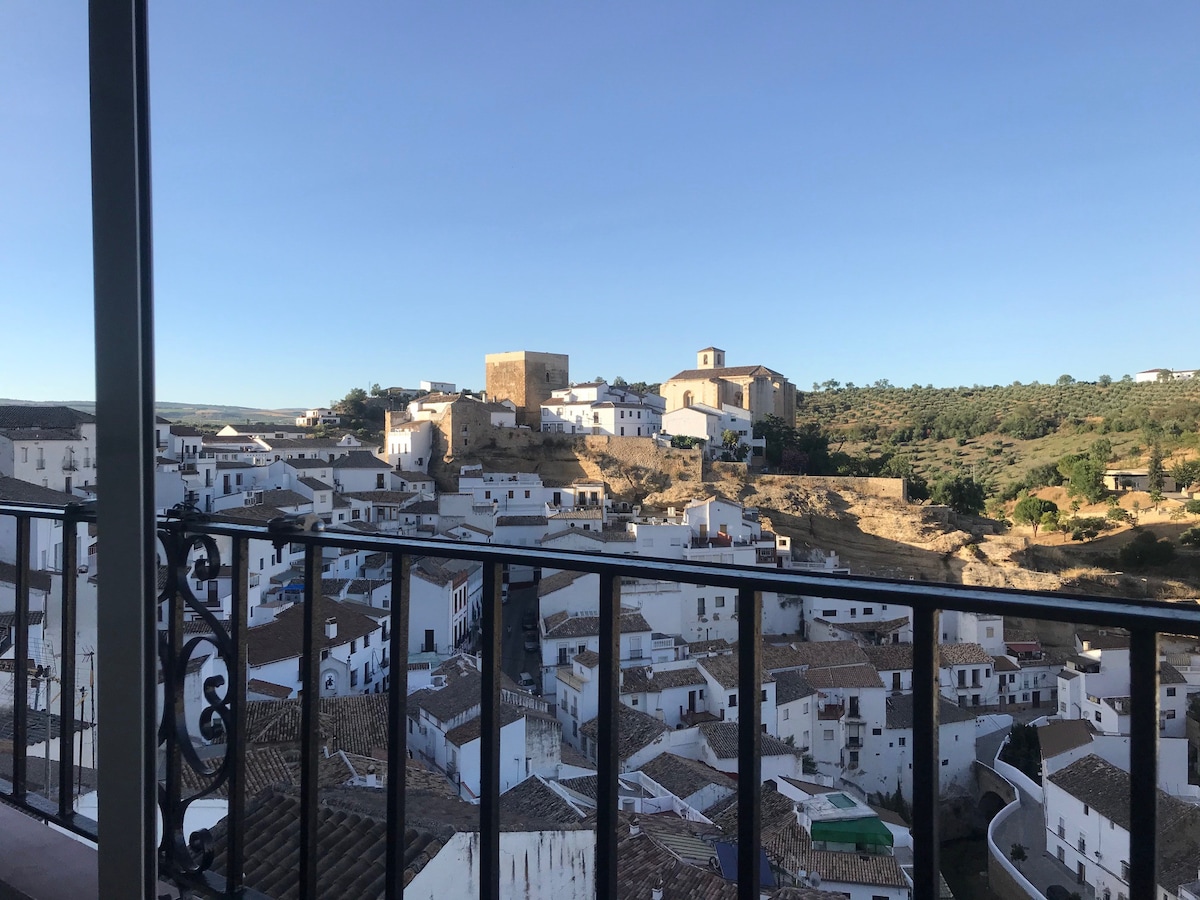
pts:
pixel 536 865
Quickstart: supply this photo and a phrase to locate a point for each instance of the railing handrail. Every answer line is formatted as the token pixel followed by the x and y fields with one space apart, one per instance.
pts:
pixel 925 599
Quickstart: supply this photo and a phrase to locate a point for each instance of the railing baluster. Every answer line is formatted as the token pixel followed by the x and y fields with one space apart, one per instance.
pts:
pixel 1143 753
pixel 236 786
pixel 489 753
pixel 925 768
pixel 21 663
pixel 310 730
pixel 608 756
pixel 397 726
pixel 749 850
pixel 66 733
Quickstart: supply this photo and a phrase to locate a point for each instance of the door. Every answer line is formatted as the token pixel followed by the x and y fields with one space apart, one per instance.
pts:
pixel 691 701
pixel 428 640
pixel 1080 873
pixel 1037 698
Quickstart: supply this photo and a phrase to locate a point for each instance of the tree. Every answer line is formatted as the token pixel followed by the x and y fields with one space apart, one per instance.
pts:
pixel 1146 550
pixel 733 450
pixel 1105 380
pixel 1031 510
pixel 1017 855
pixel 1185 474
pixel 1192 507
pixel 962 493
pixel 1086 478
pixel 1064 380
pixel 1155 468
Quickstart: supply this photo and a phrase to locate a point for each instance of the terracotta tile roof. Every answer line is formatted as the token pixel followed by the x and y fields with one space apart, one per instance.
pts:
pixel 267 688
pixel 643 863
pixel 648 680
pixel 264 767
pixel 1168 674
pixel 35 732
pixel 471 729
pixel 315 484
pixel 635 731
pixel 534 798
pixel 962 655
pixel 282 637
pixel 9 619
pixel 38 580
pixel 724 372
pixel 23 416
pixel 1105 788
pixel 900 712
pixel 464 686
pixel 589 659
pixel 564 625
pixel 360 459
pixel 722 740
pixel 890 657
pixel 445 571
pixel 308 463
pixel 777 811
pixel 514 521
pixel 863 676
pixel 792 848
pixel 351 848
pixel 684 777
pixel 1063 735
pixel 1103 639
pixel 813 653
pixel 15 490
pixel 379 496
pixel 724 669
pixel 551 583
pixel 791 686
pixel 356 724
pixel 1004 664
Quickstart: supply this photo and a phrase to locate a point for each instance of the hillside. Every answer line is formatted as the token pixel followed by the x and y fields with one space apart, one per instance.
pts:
pixel 192 413
pixel 1000 433
pixel 872 531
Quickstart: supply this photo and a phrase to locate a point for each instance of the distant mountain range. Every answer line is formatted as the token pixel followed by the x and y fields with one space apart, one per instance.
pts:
pixel 198 413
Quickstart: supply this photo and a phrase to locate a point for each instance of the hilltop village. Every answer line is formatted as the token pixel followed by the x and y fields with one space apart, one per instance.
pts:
pixel 1031 730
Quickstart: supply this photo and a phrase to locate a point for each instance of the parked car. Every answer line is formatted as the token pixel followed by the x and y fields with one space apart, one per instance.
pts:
pixel 529 620
pixel 531 643
pixel 526 681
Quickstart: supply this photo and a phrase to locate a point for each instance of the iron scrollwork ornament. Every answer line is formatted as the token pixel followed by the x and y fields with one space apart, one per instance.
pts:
pixel 190 557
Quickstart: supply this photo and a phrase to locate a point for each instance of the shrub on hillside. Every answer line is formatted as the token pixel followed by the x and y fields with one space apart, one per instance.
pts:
pixel 1146 550
pixel 1190 538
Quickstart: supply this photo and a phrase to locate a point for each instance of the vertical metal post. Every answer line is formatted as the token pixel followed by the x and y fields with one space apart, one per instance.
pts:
pixel 1143 751
pixel 235 870
pixel 66 734
pixel 310 730
pixel 21 663
pixel 926 771
pixel 489 753
pixel 749 739
pixel 397 727
pixel 608 756
pixel 124 335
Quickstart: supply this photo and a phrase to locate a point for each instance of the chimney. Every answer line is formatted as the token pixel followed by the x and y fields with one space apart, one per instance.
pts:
pixel 635 827
pixel 657 892
pixel 331 627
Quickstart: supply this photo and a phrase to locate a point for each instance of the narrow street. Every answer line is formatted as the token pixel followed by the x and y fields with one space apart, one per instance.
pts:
pixel 514 658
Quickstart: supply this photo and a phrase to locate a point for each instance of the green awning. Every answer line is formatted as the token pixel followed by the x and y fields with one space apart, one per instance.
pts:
pixel 852 831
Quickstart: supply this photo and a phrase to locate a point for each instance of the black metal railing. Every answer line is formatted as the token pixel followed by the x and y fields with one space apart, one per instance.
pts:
pixel 189 547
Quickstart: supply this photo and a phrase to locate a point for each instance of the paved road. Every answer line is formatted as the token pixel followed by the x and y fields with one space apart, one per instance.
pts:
pixel 515 659
pixel 1027 827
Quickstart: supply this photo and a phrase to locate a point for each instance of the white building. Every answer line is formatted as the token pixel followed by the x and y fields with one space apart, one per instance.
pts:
pixel 1088 829
pixel 53 446
pixel 709 425
pixel 445 603
pixel 600 408
pixel 891 767
pixel 354 656
pixel 1099 691
pixel 409 445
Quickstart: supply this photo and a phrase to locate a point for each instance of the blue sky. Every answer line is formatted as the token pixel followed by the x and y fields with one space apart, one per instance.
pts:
pixel 942 193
